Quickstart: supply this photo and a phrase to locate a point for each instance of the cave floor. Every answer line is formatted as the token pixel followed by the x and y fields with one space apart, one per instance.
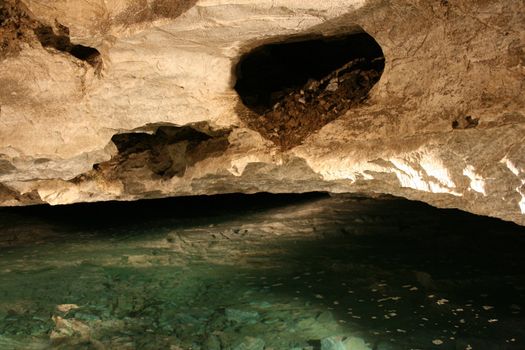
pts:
pixel 313 272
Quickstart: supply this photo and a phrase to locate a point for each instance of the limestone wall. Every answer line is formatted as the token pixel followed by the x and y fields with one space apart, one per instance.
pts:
pixel 444 124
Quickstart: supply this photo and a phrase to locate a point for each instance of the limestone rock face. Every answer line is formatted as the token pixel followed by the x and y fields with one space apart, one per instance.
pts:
pixel 129 99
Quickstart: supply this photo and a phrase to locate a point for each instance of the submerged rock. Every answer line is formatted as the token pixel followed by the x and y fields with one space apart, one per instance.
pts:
pixel 242 316
pixel 286 287
pixel 250 343
pixel 332 343
pixel 212 343
pixel 343 343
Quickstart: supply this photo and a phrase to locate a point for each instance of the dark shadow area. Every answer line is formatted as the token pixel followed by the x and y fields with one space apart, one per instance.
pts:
pixel 161 154
pixel 413 276
pixel 153 212
pixel 61 42
pixel 293 88
pixel 465 122
pixel 85 53
pixel 137 142
pixel 268 73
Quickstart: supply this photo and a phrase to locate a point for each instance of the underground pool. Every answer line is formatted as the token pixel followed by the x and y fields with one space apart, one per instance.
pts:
pixel 254 272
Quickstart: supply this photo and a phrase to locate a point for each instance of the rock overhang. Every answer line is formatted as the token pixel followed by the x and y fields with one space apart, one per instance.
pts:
pixel 442 125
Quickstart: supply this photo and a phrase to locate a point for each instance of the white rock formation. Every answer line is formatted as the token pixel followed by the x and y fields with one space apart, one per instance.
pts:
pixel 171 63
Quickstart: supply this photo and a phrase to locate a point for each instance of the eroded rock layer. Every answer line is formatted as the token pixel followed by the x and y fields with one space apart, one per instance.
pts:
pixel 136 99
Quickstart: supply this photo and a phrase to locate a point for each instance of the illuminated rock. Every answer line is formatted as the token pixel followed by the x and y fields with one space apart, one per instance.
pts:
pixel 444 123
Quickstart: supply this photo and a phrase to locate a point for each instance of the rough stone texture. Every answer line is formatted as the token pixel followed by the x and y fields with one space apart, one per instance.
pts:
pixel 445 124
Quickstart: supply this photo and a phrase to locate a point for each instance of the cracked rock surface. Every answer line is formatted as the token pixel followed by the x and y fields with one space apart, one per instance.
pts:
pixel 444 124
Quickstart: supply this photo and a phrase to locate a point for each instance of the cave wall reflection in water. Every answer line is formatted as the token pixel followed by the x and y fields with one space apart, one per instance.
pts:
pixel 260 272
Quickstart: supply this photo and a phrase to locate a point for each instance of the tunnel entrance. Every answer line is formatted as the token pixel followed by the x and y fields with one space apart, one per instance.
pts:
pixel 293 88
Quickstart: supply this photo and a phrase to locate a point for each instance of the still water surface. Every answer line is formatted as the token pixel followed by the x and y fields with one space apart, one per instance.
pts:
pixel 260 272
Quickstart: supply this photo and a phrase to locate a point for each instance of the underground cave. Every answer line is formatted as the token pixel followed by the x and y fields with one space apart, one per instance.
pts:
pixel 262 175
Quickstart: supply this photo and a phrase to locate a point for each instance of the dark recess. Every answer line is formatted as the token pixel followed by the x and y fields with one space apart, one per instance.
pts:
pixel 84 53
pixel 62 42
pixel 157 211
pixel 293 88
pixel 270 71
pixel 163 154
pixel 465 122
pixel 128 143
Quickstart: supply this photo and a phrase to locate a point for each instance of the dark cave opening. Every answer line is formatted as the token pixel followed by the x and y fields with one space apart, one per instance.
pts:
pixel 136 142
pixel 163 153
pixel 293 88
pixel 270 71
pixel 84 53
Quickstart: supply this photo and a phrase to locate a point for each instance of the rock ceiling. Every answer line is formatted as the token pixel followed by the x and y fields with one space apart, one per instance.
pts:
pixel 134 99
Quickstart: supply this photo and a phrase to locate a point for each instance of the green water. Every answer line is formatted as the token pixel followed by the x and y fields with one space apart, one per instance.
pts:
pixel 264 272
